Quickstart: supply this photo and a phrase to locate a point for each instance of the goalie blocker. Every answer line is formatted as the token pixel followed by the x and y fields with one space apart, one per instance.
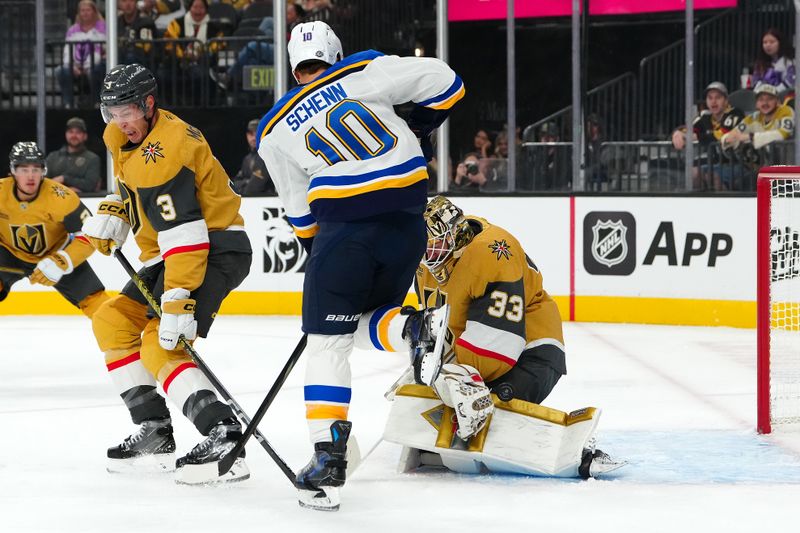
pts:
pixel 519 438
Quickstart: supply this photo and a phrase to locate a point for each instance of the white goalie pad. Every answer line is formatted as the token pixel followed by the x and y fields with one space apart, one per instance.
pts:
pixel 520 437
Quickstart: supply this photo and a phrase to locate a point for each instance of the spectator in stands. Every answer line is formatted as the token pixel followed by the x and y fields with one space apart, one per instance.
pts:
pixel 495 167
pixel 551 164
pixel 133 27
pixel 294 14
pixel 260 52
pixel 253 178
pixel 772 122
pixel 73 164
pixel 239 5
pixel 469 175
pixel 596 168
pixel 482 144
pixel 83 60
pixel 775 62
pixel 189 55
pixel 154 8
pixel 318 9
pixel 717 119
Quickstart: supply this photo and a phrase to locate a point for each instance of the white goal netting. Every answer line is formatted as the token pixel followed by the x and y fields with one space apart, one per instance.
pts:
pixel 784 300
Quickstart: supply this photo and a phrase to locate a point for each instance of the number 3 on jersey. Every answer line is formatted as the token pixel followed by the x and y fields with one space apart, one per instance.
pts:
pixel 357 129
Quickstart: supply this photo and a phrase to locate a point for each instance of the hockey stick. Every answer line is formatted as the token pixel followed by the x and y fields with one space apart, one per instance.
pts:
pixel 189 349
pixel 12 270
pixel 252 426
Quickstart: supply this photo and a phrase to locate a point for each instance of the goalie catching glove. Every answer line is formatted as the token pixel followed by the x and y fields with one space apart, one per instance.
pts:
pixel 177 318
pixel 462 388
pixel 109 226
pixel 50 269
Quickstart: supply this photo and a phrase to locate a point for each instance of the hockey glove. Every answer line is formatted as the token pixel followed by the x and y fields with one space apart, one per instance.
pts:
pixel 462 388
pixel 177 318
pixel 109 226
pixel 50 269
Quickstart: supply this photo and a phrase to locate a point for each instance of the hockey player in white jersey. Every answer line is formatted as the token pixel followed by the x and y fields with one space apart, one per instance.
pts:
pixel 352 177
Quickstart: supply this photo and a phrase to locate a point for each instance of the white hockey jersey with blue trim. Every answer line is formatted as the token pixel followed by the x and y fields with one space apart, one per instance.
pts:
pixel 337 151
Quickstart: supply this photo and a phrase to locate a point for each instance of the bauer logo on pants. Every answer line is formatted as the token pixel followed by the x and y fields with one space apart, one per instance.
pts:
pixel 282 251
pixel 609 243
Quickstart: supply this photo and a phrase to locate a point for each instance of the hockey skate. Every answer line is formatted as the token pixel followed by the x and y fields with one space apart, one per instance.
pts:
pixel 150 449
pixel 201 465
pixel 596 462
pixel 425 332
pixel 319 481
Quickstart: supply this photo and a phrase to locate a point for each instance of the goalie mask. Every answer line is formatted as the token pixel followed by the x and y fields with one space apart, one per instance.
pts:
pixel 448 233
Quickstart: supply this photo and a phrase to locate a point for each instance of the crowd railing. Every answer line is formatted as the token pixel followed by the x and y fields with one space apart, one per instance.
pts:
pixel 629 167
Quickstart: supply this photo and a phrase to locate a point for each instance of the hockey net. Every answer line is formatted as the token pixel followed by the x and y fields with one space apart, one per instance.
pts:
pixel 778 295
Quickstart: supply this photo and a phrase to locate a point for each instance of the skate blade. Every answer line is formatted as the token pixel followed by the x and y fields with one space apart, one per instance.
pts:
pixel 208 474
pixel 325 499
pixel 161 463
pixel 604 468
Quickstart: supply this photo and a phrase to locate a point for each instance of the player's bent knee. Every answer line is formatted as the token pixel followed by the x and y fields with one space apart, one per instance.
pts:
pixel 154 357
pixel 117 323
pixel 92 303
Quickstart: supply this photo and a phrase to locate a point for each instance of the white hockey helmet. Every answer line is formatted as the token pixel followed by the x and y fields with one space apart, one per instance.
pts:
pixel 314 41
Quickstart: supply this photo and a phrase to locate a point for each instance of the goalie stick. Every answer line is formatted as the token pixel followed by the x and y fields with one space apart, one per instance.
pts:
pixel 189 349
pixel 408 375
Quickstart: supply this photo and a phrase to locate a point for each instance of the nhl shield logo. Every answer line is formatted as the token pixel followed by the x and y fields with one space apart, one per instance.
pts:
pixel 609 246
pixel 609 243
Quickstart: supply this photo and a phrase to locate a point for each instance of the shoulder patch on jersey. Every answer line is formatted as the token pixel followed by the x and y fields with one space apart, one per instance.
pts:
pixel 194 133
pixel 58 190
pixel 501 248
pixel 152 151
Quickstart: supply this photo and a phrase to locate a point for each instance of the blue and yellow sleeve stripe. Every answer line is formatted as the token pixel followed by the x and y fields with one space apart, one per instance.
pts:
pixel 305 226
pixel 447 99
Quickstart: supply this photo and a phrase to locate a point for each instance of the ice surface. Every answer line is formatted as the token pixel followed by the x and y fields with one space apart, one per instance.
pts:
pixel 678 403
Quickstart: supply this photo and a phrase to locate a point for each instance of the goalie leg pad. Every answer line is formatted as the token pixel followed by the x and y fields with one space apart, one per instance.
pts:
pixel 462 388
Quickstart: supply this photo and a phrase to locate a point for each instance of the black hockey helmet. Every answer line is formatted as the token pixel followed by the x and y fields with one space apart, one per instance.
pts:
pixel 126 84
pixel 25 153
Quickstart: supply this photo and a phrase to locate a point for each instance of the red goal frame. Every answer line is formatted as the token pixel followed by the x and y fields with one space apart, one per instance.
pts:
pixel 764 312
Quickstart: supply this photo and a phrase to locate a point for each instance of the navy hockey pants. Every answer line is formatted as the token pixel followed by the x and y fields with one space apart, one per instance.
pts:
pixel 357 266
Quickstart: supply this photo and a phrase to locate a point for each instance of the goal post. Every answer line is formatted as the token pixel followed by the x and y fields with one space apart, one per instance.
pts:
pixel 778 297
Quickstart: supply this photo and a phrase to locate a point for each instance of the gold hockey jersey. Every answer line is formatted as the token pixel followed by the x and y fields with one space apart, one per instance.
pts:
pixel 777 127
pixel 498 307
pixel 178 197
pixel 34 229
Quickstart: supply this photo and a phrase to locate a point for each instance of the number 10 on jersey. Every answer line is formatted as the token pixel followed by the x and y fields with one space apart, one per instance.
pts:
pixel 358 129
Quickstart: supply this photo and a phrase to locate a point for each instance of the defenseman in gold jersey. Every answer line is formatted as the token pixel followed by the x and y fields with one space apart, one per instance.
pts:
pixel 40 233
pixel 176 199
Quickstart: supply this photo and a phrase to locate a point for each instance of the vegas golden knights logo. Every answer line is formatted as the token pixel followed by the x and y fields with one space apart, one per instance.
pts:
pixel 129 202
pixel 29 238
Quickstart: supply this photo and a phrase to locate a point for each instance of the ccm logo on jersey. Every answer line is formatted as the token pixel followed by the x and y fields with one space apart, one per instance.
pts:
pixel 342 318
